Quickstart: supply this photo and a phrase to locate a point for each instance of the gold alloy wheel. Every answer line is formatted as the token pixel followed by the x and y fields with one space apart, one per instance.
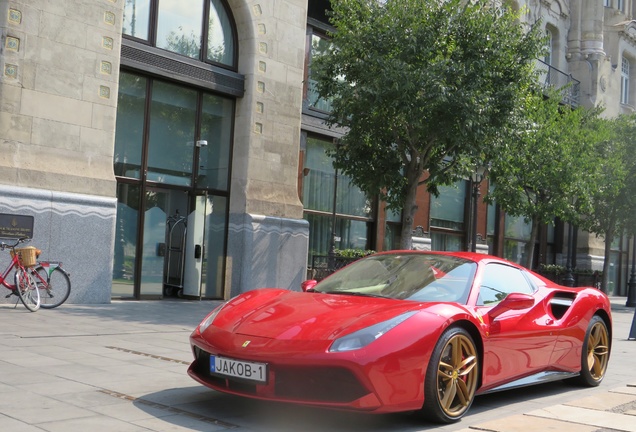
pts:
pixel 597 350
pixel 457 375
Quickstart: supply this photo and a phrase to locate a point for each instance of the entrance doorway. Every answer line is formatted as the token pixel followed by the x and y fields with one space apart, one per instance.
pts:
pixel 180 251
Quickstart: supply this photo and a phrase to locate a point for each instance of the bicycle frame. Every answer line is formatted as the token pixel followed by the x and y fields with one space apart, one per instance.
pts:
pixel 15 262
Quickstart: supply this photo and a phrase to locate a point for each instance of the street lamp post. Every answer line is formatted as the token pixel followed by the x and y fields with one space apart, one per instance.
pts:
pixel 476 180
pixel 631 286
pixel 568 279
pixel 331 264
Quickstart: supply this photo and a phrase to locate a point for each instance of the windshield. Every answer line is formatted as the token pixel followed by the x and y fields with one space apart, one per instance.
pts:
pixel 418 277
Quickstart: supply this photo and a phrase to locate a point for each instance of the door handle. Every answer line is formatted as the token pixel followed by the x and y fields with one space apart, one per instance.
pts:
pixel 197 251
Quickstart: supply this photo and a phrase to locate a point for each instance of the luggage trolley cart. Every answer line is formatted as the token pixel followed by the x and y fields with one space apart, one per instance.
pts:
pixel 176 228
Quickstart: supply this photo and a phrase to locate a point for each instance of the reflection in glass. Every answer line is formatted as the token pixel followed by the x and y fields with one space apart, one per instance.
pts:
pixel 152 259
pixel 136 18
pixel 172 122
pixel 350 234
pixel 216 129
pixel 220 40
pixel 447 209
pixel 319 46
pixel 125 240
pixel 130 124
pixel 214 250
pixel 179 26
pixel 318 185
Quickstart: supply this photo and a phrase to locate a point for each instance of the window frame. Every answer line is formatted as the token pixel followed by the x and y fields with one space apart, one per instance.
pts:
pixel 625 81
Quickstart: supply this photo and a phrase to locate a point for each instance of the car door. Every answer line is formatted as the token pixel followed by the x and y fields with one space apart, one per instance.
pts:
pixel 518 342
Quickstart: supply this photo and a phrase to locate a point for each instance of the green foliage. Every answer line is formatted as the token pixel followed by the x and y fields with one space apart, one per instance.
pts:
pixel 353 253
pixel 544 167
pixel 421 86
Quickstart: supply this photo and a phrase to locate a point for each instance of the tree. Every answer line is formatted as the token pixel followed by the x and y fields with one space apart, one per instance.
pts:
pixel 544 167
pixel 420 86
pixel 613 202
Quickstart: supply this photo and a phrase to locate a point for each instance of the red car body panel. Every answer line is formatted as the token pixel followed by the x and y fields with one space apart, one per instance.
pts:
pixel 292 333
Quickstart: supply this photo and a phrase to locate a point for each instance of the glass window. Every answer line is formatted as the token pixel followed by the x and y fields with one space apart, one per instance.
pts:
pixel 620 5
pixel 606 3
pixel 349 234
pixel 447 210
pixel 549 47
pixel 318 185
pixel 319 45
pixel 136 22
pixel 179 26
pixel 500 280
pixel 216 130
pixel 130 125
pixel 171 142
pixel 220 39
pixel 625 81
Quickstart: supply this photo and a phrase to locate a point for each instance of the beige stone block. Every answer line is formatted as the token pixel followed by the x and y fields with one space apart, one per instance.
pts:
pixel 58 82
pixel 65 31
pixel 54 107
pixel 15 127
pixel 56 135
pixel 98 142
pixel 8 152
pixel 11 99
pixel 59 56
pixel 28 71
pixel 104 117
pixel 524 423
pixel 292 12
pixel 99 91
pixel 30 18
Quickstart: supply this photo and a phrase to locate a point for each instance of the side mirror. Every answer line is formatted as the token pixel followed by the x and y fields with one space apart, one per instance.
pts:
pixel 308 285
pixel 513 301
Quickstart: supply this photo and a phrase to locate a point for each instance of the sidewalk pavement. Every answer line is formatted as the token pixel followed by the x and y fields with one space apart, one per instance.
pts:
pixel 122 367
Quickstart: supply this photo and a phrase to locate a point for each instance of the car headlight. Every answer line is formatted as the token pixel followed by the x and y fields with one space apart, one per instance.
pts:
pixel 365 336
pixel 210 318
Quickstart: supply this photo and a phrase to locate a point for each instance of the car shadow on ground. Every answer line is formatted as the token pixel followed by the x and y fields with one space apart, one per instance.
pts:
pixel 200 408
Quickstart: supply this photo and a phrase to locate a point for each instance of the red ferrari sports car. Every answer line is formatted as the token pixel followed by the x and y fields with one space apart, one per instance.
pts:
pixel 405 331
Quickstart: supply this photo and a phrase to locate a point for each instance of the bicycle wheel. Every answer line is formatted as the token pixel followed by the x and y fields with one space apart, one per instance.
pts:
pixel 54 286
pixel 27 289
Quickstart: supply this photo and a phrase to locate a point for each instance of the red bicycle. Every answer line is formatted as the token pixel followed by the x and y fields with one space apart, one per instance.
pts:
pixel 25 285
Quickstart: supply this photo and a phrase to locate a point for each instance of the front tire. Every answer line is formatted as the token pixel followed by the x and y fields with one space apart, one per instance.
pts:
pixel 27 289
pixel 55 286
pixel 451 377
pixel 595 353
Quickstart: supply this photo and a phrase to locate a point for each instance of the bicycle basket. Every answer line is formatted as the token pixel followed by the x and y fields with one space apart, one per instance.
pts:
pixel 27 255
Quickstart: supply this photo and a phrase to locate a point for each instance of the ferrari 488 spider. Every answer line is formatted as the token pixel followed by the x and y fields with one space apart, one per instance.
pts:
pixel 405 331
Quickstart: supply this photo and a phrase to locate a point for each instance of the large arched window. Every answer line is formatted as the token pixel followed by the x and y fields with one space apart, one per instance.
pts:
pixel 199 29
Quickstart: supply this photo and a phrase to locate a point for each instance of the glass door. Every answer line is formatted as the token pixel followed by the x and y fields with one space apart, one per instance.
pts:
pixel 160 206
pixel 205 248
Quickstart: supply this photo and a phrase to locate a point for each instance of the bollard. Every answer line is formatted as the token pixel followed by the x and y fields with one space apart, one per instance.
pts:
pixel 632 332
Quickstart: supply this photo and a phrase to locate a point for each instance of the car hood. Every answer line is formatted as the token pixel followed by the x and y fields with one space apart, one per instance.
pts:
pixel 288 315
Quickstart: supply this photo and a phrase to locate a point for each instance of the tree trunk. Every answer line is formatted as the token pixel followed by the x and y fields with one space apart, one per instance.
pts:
pixel 609 235
pixel 413 174
pixel 529 249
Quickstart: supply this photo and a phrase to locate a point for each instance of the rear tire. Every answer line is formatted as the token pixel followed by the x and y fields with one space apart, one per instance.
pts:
pixel 595 353
pixel 54 286
pixel 27 289
pixel 451 377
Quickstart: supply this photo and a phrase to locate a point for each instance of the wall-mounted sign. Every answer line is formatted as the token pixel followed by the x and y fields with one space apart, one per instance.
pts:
pixel 16 226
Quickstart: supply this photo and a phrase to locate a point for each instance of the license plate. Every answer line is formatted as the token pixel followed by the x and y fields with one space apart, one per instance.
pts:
pixel 251 371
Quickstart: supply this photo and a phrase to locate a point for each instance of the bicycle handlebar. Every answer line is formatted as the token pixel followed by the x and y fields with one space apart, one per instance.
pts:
pixel 4 245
